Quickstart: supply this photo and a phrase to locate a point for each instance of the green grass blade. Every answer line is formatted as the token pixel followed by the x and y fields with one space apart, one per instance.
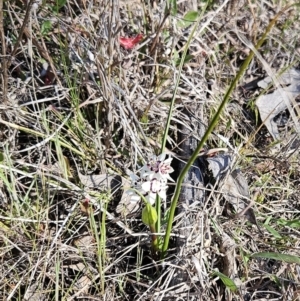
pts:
pixel 277 256
pixel 229 283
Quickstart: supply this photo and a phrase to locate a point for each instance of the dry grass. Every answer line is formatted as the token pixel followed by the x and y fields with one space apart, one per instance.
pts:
pixel 76 103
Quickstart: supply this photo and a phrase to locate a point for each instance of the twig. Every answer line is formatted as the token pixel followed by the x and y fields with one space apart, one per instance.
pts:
pixel 4 59
pixel 25 21
pixel 158 32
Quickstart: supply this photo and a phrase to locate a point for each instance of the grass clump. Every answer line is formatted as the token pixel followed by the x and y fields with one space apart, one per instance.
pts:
pixel 89 89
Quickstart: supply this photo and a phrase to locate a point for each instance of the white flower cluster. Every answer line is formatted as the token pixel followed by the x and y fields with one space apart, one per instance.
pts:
pixel 152 180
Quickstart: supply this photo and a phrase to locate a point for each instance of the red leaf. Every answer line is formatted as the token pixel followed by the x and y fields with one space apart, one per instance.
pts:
pixel 129 43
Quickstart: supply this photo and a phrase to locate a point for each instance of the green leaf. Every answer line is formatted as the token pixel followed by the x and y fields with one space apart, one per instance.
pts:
pixel 166 216
pixel 228 124
pixel 145 119
pixel 277 256
pixel 189 18
pixel 46 27
pixel 229 283
pixel 149 215
pixel 187 58
pixel 172 7
pixel 58 5
pixel 272 231
pixel 294 223
pixel 244 256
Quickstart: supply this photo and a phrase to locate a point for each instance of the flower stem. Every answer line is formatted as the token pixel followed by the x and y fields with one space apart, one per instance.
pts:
pixel 209 130
pixel 166 131
pixel 158 210
pixel 155 244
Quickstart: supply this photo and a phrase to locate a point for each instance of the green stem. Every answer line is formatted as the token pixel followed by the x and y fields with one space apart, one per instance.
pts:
pixel 150 220
pixel 154 238
pixel 158 210
pixel 209 130
pixel 155 244
pixel 165 136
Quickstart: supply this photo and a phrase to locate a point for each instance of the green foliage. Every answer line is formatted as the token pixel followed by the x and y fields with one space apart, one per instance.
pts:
pixel 58 5
pixel 295 223
pixel 229 283
pixel 187 59
pixel 149 215
pixel 277 256
pixel 171 7
pixel 272 231
pixel 46 27
pixel 189 18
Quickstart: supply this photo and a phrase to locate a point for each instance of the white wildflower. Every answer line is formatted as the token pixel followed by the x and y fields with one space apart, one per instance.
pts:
pixel 159 167
pixel 153 188
pixel 152 181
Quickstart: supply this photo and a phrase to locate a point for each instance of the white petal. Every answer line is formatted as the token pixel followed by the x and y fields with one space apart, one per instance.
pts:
pixel 151 198
pixel 168 161
pixel 163 194
pixel 161 157
pixel 144 169
pixel 130 191
pixel 134 177
pixel 167 176
pixel 135 198
pixel 146 186
pixel 170 169
pixel 156 185
pixel 148 174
